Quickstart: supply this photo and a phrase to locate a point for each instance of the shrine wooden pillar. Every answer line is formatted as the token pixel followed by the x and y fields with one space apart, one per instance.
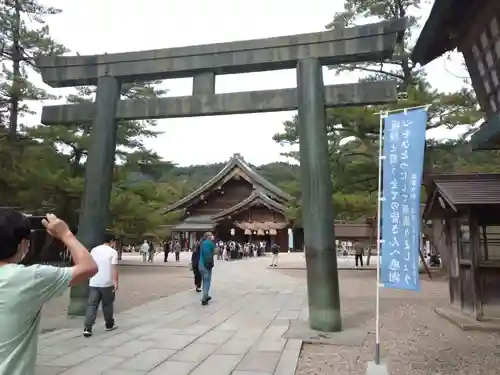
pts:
pixel 475 254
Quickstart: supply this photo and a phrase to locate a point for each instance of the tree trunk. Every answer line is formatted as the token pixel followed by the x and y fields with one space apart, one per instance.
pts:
pixel 71 204
pixel 15 94
pixel 373 237
pixel 405 61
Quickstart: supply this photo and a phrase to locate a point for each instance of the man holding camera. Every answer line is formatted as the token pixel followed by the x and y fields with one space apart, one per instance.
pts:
pixel 24 290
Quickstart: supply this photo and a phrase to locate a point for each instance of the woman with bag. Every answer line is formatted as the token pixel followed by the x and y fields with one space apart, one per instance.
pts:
pixel 205 265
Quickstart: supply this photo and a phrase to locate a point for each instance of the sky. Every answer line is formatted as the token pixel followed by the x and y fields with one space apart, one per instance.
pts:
pixel 97 26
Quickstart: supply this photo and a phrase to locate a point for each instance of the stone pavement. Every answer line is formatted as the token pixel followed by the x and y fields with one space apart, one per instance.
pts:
pixel 138 285
pixel 297 261
pixel 239 333
pixel 135 259
pixel 294 260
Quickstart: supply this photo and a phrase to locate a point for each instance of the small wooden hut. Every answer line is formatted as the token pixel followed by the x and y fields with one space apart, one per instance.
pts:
pixel 466 207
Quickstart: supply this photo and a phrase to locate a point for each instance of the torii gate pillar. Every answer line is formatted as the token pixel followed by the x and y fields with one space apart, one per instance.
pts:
pixel 317 209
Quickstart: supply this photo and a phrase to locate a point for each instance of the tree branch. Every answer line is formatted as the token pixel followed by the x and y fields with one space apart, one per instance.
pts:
pixel 372 70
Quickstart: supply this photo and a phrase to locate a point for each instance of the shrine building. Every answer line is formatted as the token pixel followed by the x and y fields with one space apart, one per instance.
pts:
pixel 472 27
pixel 236 204
pixel 464 208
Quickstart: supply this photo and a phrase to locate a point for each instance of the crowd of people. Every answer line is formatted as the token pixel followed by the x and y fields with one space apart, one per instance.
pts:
pixel 231 250
pixel 224 250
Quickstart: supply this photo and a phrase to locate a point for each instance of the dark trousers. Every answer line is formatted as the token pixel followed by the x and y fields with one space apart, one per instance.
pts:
pixel 360 257
pixel 177 255
pixel 197 276
pixel 165 255
pixel 106 296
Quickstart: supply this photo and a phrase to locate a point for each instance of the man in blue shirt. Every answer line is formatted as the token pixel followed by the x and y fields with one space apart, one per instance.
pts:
pixel 207 248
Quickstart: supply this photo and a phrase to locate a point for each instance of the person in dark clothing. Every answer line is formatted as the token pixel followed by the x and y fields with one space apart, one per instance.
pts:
pixel 166 250
pixel 358 254
pixel 195 260
pixel 151 252
pixel 275 249
pixel 435 261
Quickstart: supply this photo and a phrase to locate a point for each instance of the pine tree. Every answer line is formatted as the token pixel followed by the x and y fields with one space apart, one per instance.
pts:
pixel 359 125
pixel 24 35
pixel 63 187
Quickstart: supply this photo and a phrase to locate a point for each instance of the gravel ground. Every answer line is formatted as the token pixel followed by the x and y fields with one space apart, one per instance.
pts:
pixel 414 340
pixel 138 285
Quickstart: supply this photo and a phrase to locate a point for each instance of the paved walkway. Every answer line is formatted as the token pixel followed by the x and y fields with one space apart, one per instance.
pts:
pixel 239 333
pixel 134 259
pixel 294 260
pixel 298 261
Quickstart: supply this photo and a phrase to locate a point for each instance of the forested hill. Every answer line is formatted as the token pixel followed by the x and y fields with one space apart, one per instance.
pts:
pixel 354 175
pixel 196 175
pixel 351 175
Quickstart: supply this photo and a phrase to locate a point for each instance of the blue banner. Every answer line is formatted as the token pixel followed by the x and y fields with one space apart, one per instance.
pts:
pixel 404 145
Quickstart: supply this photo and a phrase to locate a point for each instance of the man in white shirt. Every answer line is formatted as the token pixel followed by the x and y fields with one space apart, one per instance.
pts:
pixel 103 285
pixel 144 250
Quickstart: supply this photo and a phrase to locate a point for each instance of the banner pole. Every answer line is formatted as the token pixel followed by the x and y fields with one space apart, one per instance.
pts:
pixel 379 220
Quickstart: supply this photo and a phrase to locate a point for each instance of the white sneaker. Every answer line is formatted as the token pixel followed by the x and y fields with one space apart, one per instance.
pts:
pixel 111 328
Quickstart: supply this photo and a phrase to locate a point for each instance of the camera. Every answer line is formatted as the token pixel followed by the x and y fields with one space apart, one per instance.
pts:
pixel 44 249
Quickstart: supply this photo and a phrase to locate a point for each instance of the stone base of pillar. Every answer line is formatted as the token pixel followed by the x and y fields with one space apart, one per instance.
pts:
pixel 374 369
pixel 78 298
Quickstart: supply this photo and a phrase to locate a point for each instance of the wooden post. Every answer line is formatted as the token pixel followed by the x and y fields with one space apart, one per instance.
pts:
pixel 372 237
pixel 475 254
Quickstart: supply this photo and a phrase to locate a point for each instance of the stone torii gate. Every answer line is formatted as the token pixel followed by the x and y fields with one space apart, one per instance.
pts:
pixel 306 52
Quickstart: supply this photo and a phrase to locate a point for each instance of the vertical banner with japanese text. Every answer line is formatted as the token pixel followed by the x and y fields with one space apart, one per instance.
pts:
pixel 403 150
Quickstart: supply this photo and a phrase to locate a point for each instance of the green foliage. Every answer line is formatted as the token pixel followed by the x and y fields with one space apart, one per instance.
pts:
pixel 43 167
pixel 45 178
pixel 192 177
pixel 353 132
pixel 24 35
pixel 137 207
pixel 353 207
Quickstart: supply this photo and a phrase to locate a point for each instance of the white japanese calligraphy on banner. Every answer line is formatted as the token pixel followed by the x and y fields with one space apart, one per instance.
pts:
pixel 403 149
